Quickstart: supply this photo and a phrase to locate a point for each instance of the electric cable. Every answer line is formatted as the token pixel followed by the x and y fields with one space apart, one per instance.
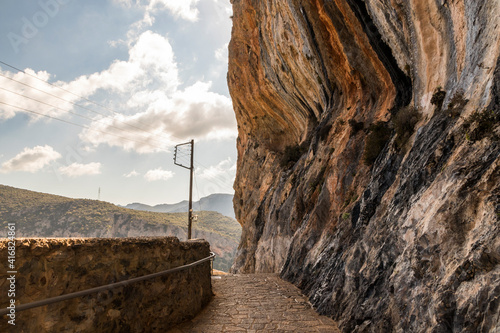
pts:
pixel 70 112
pixel 77 95
pixel 223 182
pixel 220 181
pixel 169 138
pixel 81 106
pixel 79 125
pixel 36 77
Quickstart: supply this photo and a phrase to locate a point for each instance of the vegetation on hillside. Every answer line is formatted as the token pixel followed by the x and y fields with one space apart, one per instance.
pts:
pixel 45 215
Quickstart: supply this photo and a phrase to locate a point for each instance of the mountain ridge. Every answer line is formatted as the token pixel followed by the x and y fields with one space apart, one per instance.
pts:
pixel 217 202
pixel 37 214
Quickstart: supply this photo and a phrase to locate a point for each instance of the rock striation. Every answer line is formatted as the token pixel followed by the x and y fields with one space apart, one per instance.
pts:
pixel 368 157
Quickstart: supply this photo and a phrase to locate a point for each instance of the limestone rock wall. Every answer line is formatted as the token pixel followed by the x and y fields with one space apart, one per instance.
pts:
pixel 409 243
pixel 54 266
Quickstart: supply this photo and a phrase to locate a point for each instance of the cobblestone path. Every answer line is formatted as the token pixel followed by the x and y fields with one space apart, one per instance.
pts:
pixel 256 303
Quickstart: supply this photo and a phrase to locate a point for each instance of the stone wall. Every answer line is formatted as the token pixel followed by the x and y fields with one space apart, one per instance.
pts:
pixel 52 267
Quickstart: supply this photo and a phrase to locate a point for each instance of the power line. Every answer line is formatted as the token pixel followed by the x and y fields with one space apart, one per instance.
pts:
pixel 75 104
pixel 217 178
pixel 52 95
pixel 47 82
pixel 181 154
pixel 68 111
pixel 170 138
pixel 79 125
pixel 218 183
pixel 53 106
pixel 79 96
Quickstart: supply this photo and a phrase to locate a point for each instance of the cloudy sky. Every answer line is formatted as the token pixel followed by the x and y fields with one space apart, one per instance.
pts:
pixel 97 93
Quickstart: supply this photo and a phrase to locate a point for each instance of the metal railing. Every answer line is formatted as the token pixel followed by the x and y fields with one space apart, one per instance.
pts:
pixel 81 293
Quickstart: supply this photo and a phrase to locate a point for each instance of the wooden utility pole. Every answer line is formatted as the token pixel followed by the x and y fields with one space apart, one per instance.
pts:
pixel 191 171
pixel 177 161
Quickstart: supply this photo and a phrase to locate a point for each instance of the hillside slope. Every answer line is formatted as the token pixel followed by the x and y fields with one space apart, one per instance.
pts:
pixel 218 202
pixel 368 168
pixel 45 215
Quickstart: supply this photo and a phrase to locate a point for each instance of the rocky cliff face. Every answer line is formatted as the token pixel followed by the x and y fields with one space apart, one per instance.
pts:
pixel 368 167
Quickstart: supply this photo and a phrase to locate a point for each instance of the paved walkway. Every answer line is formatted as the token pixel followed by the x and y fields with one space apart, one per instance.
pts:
pixel 256 303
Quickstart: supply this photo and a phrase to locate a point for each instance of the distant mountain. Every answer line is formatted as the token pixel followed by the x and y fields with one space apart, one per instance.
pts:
pixel 221 203
pixel 45 215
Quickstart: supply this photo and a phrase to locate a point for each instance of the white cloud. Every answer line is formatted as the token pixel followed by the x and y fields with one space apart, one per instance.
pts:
pixel 158 174
pixel 217 178
pixel 225 170
pixel 199 113
pixel 185 9
pixel 221 53
pixel 77 169
pixel 172 114
pixel 155 111
pixel 133 173
pixel 23 91
pixel 31 159
pixel 151 63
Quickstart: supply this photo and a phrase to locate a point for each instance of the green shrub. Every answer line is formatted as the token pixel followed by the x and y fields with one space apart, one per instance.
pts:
pixel 351 197
pixel 408 69
pixel 456 105
pixel 324 132
pixel 292 154
pixel 319 180
pixel 438 98
pixel 376 140
pixel 482 124
pixel 404 124
pixel 356 126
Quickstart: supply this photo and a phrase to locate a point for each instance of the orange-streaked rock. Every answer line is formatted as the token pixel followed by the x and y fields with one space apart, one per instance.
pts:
pixel 372 246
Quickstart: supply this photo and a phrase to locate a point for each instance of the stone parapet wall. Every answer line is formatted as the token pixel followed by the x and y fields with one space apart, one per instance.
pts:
pixel 55 266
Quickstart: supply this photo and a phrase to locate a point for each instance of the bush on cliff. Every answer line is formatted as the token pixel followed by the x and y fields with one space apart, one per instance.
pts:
pixel 292 154
pixel 456 105
pixel 482 124
pixel 376 140
pixel 356 126
pixel 404 124
pixel 438 98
